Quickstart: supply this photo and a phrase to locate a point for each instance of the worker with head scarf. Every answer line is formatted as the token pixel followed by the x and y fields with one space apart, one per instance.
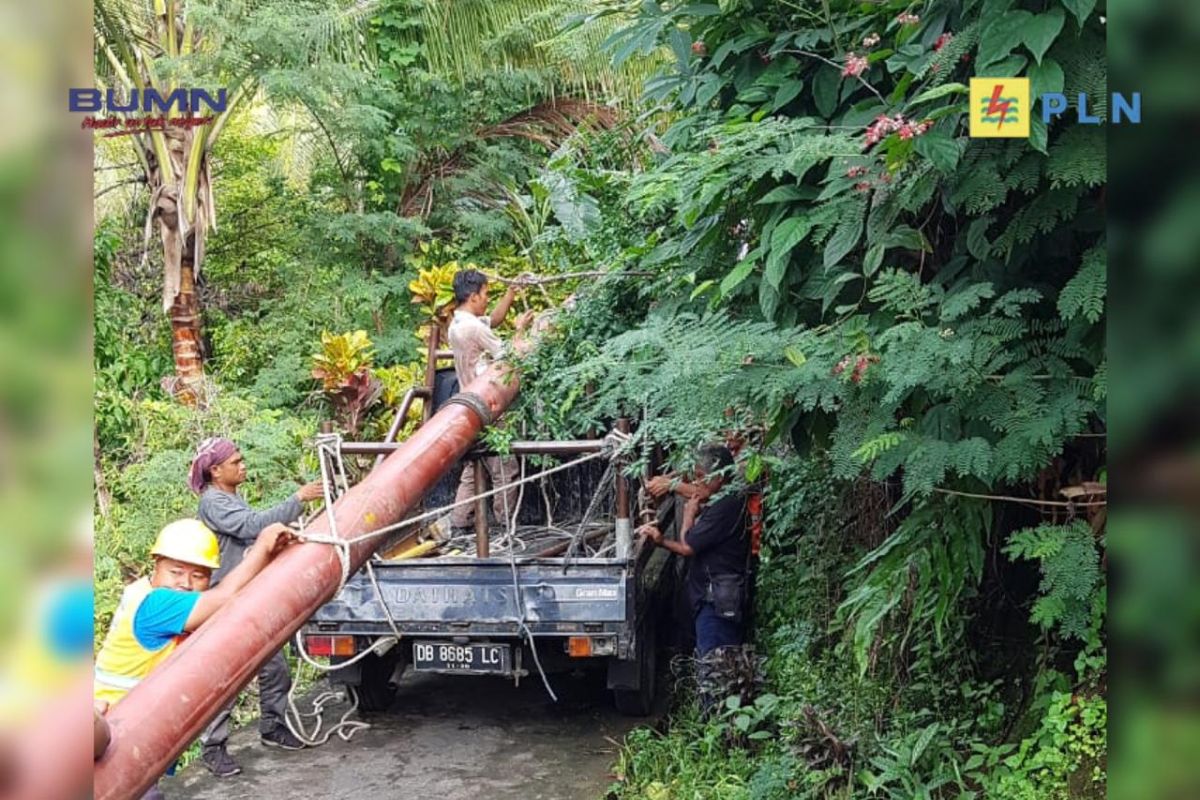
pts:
pixel 157 612
pixel 217 472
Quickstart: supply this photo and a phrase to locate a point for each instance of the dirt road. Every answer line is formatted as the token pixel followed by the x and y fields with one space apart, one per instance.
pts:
pixel 445 738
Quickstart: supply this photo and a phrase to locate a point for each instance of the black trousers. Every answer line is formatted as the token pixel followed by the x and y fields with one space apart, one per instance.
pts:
pixel 274 683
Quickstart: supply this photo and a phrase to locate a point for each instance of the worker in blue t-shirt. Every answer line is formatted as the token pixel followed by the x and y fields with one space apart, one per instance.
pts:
pixel 158 611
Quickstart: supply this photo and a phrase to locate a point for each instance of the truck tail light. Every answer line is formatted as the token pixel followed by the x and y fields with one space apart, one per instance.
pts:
pixel 579 646
pixel 329 645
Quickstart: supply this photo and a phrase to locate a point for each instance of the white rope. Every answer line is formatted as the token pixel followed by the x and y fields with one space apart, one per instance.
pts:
pixel 512 563
pixel 578 536
pixel 376 646
pixel 333 473
pixel 546 502
pixel 329 446
pixel 379 596
pixel 440 512
pixel 333 484
pixel 345 727
pixel 614 441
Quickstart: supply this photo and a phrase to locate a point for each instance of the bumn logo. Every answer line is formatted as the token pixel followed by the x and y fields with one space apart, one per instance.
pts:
pixel 1000 108
pixel 135 113
pixel 146 100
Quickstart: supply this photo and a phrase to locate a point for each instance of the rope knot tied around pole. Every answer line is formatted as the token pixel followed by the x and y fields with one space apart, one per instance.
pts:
pixel 333 485
pixel 616 443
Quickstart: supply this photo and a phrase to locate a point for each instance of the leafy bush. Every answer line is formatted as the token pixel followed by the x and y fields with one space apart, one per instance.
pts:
pixel 800 233
pixel 343 365
pixel 151 489
pixel 1070 568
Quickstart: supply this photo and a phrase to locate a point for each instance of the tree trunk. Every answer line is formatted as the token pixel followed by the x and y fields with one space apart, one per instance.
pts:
pixel 185 336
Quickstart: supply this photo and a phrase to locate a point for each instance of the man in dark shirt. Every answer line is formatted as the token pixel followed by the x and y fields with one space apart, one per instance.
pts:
pixel 717 545
pixel 217 472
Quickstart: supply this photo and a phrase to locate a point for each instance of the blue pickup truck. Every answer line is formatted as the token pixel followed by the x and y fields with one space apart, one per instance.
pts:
pixel 470 616
pixel 512 613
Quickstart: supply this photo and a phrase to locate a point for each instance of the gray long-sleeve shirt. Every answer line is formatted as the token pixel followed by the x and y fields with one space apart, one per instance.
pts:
pixel 237 525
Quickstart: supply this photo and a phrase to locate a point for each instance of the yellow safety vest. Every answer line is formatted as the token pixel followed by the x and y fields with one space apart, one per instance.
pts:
pixel 122 661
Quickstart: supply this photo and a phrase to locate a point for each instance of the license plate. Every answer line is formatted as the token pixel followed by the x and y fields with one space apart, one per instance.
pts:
pixel 475 657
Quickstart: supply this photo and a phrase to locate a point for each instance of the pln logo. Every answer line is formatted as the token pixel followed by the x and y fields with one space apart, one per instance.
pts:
pixel 1000 108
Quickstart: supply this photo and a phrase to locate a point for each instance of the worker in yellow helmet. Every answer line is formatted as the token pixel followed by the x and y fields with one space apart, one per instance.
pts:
pixel 157 612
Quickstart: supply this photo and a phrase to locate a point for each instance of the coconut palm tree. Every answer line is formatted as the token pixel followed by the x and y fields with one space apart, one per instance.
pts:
pixel 165 45
pixel 560 48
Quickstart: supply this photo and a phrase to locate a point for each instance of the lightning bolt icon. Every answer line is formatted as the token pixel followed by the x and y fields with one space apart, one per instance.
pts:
pixel 995 105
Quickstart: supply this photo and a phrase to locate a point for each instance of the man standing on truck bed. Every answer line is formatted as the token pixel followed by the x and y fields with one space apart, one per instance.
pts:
pixel 217 471
pixel 716 542
pixel 476 346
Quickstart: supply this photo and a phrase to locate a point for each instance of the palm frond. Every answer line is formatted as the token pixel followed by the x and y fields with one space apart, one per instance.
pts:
pixel 467 39
pixel 549 123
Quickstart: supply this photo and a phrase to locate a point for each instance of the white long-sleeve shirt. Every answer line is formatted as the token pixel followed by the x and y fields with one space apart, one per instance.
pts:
pixel 475 346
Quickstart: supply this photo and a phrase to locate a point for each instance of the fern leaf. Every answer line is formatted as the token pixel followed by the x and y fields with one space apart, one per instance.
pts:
pixel 1084 294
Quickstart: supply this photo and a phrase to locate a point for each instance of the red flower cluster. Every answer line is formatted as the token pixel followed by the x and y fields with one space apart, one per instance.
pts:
pixel 942 41
pixel 855 65
pixel 908 131
pixel 883 125
pixel 861 364
pixel 856 172
pixel 699 48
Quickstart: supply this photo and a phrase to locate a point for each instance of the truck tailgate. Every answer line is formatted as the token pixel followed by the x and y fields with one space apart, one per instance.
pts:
pixel 446 595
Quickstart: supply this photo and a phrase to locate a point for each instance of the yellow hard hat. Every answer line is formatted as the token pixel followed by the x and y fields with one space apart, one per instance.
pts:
pixel 189 541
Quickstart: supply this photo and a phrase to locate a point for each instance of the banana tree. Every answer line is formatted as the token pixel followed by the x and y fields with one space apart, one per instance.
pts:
pixel 164 45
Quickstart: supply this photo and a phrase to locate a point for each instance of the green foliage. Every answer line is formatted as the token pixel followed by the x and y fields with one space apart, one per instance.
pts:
pixel 910 767
pixel 691 761
pixel 996 395
pixel 920 574
pixel 1064 758
pixel 131 349
pixel 1070 566
pixel 1085 293
pixel 909 306
pixel 778 213
pixel 908 318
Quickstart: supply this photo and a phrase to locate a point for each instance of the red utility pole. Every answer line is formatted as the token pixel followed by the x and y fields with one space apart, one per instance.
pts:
pixel 156 721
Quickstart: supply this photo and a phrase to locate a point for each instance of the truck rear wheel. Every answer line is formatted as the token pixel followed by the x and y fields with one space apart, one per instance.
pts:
pixel 639 702
pixel 376 691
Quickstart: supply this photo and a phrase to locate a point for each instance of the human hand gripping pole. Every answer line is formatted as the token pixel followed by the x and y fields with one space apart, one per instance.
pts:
pixel 651 532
